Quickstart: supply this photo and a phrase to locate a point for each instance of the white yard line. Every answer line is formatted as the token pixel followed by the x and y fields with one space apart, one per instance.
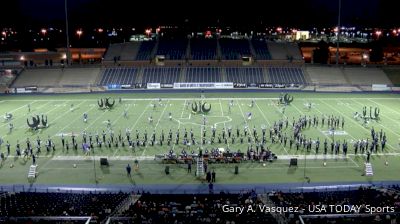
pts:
pixel 158 122
pixel 245 121
pixel 262 113
pixel 308 167
pixel 352 160
pixel 47 113
pixel 63 129
pixel 68 111
pixel 183 109
pixel 225 98
pixel 222 113
pixel 137 120
pixel 384 106
pixel 292 104
pixel 162 113
pixel 220 105
pixel 119 117
pixel 19 117
pixel 179 123
pixel 377 122
pixel 352 120
pixel 21 106
pixel 114 122
pixel 241 111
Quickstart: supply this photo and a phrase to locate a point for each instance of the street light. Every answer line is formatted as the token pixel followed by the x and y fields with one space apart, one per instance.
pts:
pixel 148 31
pixel 79 33
pixel 44 31
pixel 378 33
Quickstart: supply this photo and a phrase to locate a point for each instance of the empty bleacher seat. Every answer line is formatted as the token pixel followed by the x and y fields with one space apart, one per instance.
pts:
pixel 162 75
pixel 286 75
pixel 145 50
pixel 245 75
pixel 261 49
pixel 172 49
pixel 203 74
pixel 232 49
pixel 119 76
pixel 203 49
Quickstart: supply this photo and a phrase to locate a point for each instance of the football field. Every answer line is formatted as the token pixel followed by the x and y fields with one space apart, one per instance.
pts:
pixel 173 111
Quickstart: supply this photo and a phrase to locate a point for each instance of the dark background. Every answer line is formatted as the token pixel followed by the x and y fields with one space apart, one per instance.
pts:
pixel 200 14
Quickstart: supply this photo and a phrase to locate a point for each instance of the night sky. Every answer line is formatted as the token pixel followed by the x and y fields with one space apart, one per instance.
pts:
pixel 301 13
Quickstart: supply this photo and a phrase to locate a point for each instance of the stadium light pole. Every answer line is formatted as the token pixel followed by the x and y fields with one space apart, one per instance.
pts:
pixel 338 34
pixel 67 31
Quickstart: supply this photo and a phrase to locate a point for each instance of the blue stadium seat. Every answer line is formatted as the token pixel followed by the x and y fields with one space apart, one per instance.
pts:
pixel 203 49
pixel 164 75
pixel 203 74
pixel 286 75
pixel 145 50
pixel 172 49
pixel 232 49
pixel 261 50
pixel 119 76
pixel 246 75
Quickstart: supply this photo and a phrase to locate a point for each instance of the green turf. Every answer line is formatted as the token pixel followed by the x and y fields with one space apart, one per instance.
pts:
pixel 57 167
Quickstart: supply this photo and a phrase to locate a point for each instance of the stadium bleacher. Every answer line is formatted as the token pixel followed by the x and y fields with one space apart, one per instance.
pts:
pixel 366 76
pixel 172 49
pixel 113 51
pixel 326 75
pixel 25 204
pixel 245 75
pixel 293 51
pixel 39 77
pixel 199 208
pixel 232 49
pixel 162 75
pixel 286 75
pixel 145 50
pixel 118 76
pixel 203 74
pixel 203 49
pixel 261 49
pixel 284 51
pixel 170 75
pixel 79 77
pixel 129 51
